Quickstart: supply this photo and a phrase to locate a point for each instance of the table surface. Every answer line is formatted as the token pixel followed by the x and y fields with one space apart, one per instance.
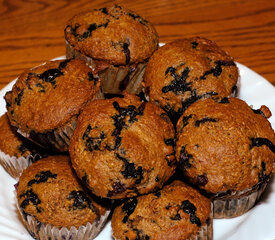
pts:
pixel 31 32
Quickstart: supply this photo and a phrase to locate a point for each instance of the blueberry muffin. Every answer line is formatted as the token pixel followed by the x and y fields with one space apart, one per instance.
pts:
pixel 175 212
pixel 16 153
pixel 45 101
pixel 116 42
pixel 226 148
pixel 123 147
pixel 183 71
pixel 53 203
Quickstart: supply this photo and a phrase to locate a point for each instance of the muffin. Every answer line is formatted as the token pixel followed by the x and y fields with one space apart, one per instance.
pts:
pixel 185 70
pixel 54 205
pixel 123 147
pixel 45 101
pixel 226 149
pixel 176 212
pixel 16 153
pixel 116 42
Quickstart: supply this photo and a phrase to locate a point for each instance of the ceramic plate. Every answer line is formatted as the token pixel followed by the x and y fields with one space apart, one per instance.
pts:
pixel 257 224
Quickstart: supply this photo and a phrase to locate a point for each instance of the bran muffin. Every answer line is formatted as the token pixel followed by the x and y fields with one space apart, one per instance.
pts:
pixel 45 101
pixel 176 212
pixel 116 42
pixel 226 149
pixel 185 70
pixel 16 153
pixel 123 147
pixel 53 203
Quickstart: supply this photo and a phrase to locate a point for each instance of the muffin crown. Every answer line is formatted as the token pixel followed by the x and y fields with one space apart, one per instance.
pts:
pixel 50 95
pixel 186 70
pixel 50 191
pixel 122 147
pixel 175 212
pixel 225 145
pixel 115 35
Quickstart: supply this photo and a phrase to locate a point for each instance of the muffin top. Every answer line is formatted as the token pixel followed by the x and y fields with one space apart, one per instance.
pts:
pixel 114 34
pixel 183 71
pixel 50 191
pixel 225 145
pixel 122 147
pixel 175 212
pixel 50 95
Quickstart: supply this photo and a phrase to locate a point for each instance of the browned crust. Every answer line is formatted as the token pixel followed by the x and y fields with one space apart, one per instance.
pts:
pixel 41 105
pixel 112 28
pixel 122 163
pixel 56 205
pixel 153 212
pixel 197 57
pixel 221 150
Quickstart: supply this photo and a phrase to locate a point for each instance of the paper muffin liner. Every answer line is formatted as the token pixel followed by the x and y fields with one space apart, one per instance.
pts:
pixel 57 140
pixel 15 165
pixel 114 79
pixel 238 202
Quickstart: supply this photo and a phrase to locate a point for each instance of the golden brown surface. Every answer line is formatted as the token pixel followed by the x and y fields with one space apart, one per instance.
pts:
pixel 122 147
pixel 50 191
pixel 10 143
pixel 115 35
pixel 50 95
pixel 183 71
pixel 162 215
pixel 32 31
pixel 225 145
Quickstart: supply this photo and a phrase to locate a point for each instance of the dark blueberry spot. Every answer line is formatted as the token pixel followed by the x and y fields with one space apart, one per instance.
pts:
pixel 120 119
pixel 50 75
pixel 124 83
pixel 190 209
pixel 217 70
pixel 168 207
pixel 204 120
pixel 138 18
pixel 184 158
pixel 129 207
pixel 30 197
pixel 118 187
pixel 63 64
pixel 126 52
pixel 194 44
pixel 93 78
pixel 104 10
pixel 130 170
pixel 258 142
pixel 93 142
pixel 185 120
pixel 224 100
pixel 169 141
pixel 157 194
pixel 179 84
pixel 177 217
pixel 19 98
pixel 157 179
pixel 42 177
pixel 202 180
pixel 80 200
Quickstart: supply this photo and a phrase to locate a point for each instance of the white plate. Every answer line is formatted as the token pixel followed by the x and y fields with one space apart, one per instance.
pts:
pixel 257 224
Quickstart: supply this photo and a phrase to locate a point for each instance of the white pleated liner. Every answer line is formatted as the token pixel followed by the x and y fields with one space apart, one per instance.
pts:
pixel 15 166
pixel 112 76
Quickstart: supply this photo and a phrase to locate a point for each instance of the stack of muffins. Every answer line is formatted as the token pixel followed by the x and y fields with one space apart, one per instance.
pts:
pixel 154 133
